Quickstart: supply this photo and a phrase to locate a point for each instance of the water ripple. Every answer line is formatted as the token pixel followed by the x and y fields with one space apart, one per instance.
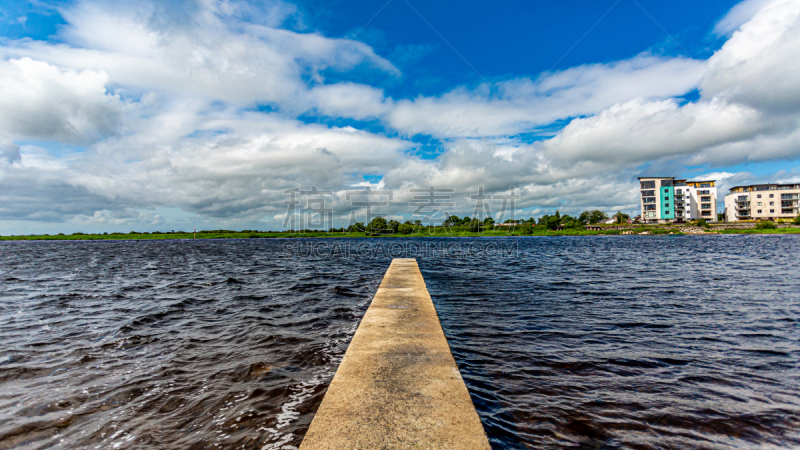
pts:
pixel 605 342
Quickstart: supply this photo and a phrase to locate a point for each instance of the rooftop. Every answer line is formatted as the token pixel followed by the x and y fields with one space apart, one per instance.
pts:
pixel 786 185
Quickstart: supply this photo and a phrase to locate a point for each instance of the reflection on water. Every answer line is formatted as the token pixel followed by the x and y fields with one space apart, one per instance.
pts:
pixel 602 342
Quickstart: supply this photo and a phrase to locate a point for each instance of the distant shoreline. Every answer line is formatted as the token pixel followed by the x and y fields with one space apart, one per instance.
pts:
pixel 439 233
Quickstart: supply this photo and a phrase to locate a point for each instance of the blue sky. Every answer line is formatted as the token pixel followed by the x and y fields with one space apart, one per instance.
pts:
pixel 151 115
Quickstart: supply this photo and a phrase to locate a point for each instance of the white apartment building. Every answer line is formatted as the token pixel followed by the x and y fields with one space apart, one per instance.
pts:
pixel 667 199
pixel 762 202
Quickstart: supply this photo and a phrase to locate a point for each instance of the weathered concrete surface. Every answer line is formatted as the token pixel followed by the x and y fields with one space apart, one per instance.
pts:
pixel 398 385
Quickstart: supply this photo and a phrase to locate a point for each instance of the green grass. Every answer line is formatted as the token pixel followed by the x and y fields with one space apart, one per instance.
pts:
pixel 425 232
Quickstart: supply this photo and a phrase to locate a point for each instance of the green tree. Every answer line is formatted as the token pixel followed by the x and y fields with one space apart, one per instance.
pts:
pixel 406 228
pixel 358 227
pixel 394 226
pixel 621 217
pixel 475 226
pixel 796 220
pixel 451 221
pixel 592 217
pixel 377 225
pixel 553 222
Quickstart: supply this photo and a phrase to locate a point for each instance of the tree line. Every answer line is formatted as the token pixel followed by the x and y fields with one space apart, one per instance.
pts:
pixel 380 225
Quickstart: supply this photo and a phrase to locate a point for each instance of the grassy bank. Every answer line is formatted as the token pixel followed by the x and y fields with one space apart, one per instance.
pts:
pixel 423 232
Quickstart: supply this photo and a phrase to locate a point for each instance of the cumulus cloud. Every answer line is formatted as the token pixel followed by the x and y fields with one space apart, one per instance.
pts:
pixel 758 65
pixel 516 106
pixel 29 89
pixel 202 53
pixel 211 120
pixel 738 15
pixel 748 109
pixel 638 131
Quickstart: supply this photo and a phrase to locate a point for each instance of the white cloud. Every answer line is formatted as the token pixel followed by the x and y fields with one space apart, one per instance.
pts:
pixel 738 15
pixel 355 101
pixel 748 110
pixel 758 65
pixel 517 105
pixel 175 119
pixel 215 58
pixel 28 89
pixel 640 130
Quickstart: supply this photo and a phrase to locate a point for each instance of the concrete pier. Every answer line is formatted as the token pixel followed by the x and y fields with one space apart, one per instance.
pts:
pixel 398 386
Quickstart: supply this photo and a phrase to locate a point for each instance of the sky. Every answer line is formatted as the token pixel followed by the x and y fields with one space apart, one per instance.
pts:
pixel 174 115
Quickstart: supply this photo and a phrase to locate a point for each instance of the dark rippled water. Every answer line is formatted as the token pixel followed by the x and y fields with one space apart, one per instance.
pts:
pixel 598 342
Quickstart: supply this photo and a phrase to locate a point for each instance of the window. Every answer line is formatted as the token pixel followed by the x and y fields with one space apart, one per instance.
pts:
pixel 703 192
pixel 666 198
pixel 759 203
pixel 702 185
pixel 649 200
pixel 666 206
pixel 648 184
pixel 759 211
pixel 666 183
pixel 706 213
pixel 705 199
pixel 771 211
pixel 705 206
pixel 678 192
pixel 771 195
pixel 648 193
pixel 649 207
pixel 759 196
pixel 771 203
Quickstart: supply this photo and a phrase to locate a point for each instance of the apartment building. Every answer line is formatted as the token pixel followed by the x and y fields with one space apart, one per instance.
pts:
pixel 762 202
pixel 667 199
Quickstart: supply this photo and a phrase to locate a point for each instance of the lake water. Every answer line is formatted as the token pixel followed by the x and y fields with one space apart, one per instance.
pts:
pixel 576 342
